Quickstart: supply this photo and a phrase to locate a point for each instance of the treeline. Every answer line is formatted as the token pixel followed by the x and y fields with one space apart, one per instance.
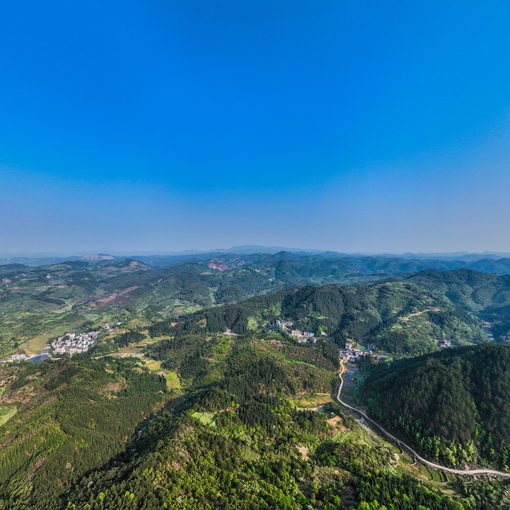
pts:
pixel 130 337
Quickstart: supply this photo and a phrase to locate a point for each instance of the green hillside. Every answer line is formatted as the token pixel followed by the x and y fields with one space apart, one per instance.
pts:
pixel 66 418
pixel 454 404
pixel 46 300
pixel 203 420
pixel 486 295
pixel 235 440
pixel 399 317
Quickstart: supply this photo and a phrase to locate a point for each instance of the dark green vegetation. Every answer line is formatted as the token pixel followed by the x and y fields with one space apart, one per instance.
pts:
pixel 455 404
pixel 92 434
pixel 68 417
pixel 398 317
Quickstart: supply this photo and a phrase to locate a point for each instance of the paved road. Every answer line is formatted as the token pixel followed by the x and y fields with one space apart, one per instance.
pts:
pixel 404 446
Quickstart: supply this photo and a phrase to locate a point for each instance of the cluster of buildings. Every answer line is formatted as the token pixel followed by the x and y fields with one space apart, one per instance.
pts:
pixel 110 327
pixel 17 358
pixel 73 343
pixel 352 353
pixel 301 337
pixel 14 357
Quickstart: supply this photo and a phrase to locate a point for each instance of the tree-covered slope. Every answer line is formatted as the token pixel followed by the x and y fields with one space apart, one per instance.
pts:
pixel 232 435
pixel 454 404
pixel 399 317
pixel 487 295
pixel 237 441
pixel 49 299
pixel 59 420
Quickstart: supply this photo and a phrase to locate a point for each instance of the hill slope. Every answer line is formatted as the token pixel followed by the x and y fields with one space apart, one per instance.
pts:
pixel 59 420
pixel 399 317
pixel 455 404
pixel 486 295
pixel 237 442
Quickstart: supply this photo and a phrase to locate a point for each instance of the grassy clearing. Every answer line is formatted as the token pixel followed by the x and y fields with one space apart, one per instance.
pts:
pixel 153 365
pixel 314 400
pixel 6 413
pixel 425 471
pixel 436 475
pixel 405 457
pixel 222 348
pixel 172 380
pixel 341 436
pixel 130 350
pixel 36 344
pixel 205 418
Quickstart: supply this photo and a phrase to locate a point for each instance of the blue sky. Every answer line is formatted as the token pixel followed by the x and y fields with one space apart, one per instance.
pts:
pixel 344 125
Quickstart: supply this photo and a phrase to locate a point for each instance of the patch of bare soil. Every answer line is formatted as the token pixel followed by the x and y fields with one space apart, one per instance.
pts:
pixel 303 450
pixel 336 421
pixel 114 297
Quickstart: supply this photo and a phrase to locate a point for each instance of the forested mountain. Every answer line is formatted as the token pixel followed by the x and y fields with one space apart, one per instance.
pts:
pixel 234 439
pixel 486 295
pixel 454 404
pixel 47 299
pixel 399 317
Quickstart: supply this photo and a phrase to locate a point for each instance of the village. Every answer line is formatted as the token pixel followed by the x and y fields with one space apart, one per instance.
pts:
pixel 352 353
pixel 73 343
pixel 301 337
pixel 69 344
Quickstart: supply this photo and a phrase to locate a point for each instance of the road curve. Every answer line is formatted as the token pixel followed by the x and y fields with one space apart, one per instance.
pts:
pixel 404 446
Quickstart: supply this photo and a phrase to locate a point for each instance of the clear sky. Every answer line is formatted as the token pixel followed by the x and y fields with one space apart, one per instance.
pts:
pixel 141 126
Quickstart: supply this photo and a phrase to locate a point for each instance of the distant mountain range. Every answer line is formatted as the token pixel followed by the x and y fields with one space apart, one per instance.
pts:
pixel 487 261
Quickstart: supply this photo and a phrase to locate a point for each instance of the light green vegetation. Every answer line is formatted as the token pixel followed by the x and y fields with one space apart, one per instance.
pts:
pixel 204 418
pixel 6 413
pixel 312 401
pixel 172 380
pixel 340 436
pixel 153 365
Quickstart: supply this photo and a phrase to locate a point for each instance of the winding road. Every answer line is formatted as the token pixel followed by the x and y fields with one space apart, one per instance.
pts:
pixel 406 447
